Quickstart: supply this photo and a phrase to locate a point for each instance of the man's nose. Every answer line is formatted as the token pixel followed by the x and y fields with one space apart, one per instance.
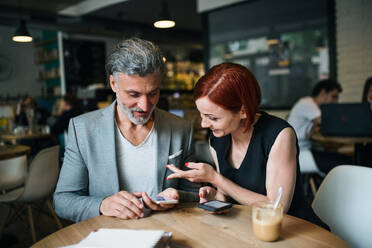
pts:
pixel 144 103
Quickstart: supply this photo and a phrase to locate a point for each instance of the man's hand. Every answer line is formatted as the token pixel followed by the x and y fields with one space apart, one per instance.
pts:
pixel 168 193
pixel 315 128
pixel 123 205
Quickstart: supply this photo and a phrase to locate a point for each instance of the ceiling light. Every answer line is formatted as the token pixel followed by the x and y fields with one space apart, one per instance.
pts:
pixel 164 20
pixel 21 34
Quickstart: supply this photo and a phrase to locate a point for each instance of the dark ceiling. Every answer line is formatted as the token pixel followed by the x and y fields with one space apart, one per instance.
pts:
pixel 127 18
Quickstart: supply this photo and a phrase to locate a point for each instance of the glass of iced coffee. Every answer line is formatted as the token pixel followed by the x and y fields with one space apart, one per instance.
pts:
pixel 266 220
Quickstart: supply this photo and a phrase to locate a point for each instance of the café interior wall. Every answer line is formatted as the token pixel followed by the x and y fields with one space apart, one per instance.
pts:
pixel 354 46
pixel 19 59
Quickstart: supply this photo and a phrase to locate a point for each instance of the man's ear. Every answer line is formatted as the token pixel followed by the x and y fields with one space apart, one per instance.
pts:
pixel 322 96
pixel 112 83
pixel 322 92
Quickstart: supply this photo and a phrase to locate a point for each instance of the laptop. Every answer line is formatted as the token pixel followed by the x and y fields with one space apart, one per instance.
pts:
pixel 346 119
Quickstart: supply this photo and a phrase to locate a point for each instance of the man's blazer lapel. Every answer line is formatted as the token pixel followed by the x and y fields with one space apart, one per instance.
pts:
pixel 106 130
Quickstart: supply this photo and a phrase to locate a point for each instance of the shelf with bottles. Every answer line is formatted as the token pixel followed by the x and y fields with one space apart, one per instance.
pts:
pixel 49 74
pixel 47 57
pixel 44 41
pixel 180 101
pixel 182 75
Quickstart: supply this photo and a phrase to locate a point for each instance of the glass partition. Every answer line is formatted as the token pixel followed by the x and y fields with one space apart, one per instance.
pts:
pixel 286 68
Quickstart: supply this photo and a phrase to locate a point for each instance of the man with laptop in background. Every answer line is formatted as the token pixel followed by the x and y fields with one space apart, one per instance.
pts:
pixel 305 118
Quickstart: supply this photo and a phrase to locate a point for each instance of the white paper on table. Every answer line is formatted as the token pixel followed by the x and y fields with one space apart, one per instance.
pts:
pixel 70 246
pixel 115 238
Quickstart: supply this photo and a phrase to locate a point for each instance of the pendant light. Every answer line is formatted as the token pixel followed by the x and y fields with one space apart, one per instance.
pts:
pixel 164 20
pixel 21 34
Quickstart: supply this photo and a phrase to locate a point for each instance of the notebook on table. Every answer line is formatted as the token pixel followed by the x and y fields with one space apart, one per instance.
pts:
pixel 346 119
pixel 117 238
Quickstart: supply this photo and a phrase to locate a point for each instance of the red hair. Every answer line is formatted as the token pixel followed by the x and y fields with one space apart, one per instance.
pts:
pixel 231 86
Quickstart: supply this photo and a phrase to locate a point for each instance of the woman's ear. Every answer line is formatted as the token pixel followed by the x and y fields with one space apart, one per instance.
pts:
pixel 242 113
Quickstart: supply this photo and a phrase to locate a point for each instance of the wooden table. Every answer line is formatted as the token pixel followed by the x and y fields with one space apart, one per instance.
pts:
pixel 12 138
pixel 335 141
pixel 7 152
pixel 341 140
pixel 192 227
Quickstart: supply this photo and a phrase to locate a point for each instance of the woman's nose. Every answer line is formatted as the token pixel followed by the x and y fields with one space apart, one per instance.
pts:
pixel 204 123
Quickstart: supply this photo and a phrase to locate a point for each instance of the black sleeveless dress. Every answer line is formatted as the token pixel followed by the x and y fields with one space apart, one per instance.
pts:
pixel 252 172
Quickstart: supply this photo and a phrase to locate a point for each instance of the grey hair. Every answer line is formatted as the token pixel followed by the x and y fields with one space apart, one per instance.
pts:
pixel 135 56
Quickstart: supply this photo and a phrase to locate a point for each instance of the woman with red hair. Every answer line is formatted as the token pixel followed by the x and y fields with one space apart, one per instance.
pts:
pixel 255 153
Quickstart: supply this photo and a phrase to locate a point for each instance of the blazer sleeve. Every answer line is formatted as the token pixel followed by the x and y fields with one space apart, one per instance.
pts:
pixel 71 197
pixel 188 191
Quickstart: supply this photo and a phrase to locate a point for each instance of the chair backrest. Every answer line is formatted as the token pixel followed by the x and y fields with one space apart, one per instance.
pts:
pixel 13 172
pixel 43 175
pixel 307 162
pixel 344 203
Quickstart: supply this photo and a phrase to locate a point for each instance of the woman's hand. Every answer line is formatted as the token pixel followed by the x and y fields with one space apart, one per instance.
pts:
pixel 200 172
pixel 207 193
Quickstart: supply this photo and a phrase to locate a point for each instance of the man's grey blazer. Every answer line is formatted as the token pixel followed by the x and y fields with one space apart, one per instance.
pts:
pixel 89 172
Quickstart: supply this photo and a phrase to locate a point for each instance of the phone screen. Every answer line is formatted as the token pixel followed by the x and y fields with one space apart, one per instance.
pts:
pixel 216 204
pixel 158 198
pixel 164 200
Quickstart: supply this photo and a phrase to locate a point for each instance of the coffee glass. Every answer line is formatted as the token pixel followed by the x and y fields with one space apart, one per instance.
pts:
pixel 266 220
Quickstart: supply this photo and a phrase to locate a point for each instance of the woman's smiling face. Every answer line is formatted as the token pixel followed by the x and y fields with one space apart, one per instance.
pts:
pixel 219 120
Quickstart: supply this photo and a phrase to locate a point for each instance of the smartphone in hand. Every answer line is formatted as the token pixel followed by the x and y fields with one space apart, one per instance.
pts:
pixel 215 206
pixel 164 200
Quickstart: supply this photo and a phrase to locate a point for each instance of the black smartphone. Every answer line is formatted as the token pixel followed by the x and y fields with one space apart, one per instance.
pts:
pixel 215 206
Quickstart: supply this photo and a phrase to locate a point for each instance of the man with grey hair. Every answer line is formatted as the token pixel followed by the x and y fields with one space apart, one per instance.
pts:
pixel 116 157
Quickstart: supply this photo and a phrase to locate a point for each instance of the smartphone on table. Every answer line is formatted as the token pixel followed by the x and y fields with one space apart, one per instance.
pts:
pixel 164 200
pixel 215 206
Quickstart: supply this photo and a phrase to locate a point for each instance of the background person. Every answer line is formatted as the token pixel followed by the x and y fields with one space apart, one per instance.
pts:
pixel 30 115
pixel 118 154
pixel 255 152
pixel 27 111
pixel 305 118
pixel 68 109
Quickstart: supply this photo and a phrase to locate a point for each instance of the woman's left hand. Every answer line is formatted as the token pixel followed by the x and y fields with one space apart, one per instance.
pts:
pixel 200 172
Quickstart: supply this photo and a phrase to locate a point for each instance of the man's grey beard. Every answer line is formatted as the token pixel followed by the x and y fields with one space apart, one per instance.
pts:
pixel 129 112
